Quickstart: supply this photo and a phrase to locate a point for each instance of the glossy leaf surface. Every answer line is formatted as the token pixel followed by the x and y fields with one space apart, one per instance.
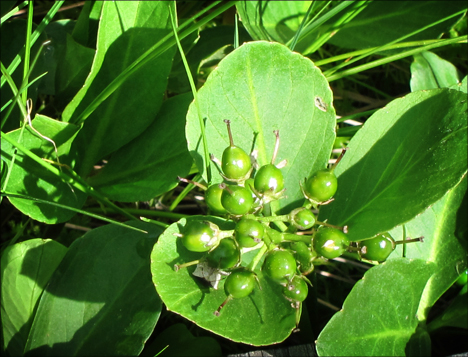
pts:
pixel 100 300
pixel 149 165
pixel 429 71
pixel 29 178
pixel 262 318
pixel 126 31
pixel 26 268
pixel 378 317
pixel 405 158
pixel 261 87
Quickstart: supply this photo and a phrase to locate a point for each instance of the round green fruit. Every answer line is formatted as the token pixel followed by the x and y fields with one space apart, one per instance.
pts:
pixel 321 186
pixel 240 283
pixel 235 163
pixel 199 236
pixel 237 200
pixel 303 218
pixel 296 289
pixel 279 265
pixel 330 242
pixel 213 199
pixel 377 248
pixel 269 179
pixel 226 255
pixel 249 232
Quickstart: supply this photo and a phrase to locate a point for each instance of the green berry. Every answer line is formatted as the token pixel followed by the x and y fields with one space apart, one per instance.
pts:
pixel 237 200
pixel 330 242
pixel 235 163
pixel 279 265
pixel 377 248
pixel 303 218
pixel 462 278
pixel 240 283
pixel 213 199
pixel 249 232
pixel 269 179
pixel 226 255
pixel 321 186
pixel 304 256
pixel 296 289
pixel 199 236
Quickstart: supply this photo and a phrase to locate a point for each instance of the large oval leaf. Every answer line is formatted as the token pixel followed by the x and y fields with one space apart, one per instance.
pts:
pixel 379 315
pixel 263 318
pixel 126 30
pixel 405 158
pixel 262 87
pixel 100 300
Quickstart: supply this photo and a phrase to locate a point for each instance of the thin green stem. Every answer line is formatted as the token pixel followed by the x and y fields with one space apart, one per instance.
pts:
pixel 75 180
pixel 160 47
pixel 360 52
pixel 194 92
pixel 13 11
pixel 384 47
pixel 105 219
pixel 382 61
pixel 315 24
pixel 35 35
pixel 27 52
pixel 143 212
pixel 356 115
pixel 184 193
pixel 301 27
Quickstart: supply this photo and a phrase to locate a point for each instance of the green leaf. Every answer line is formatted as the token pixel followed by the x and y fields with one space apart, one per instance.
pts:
pixel 127 30
pixel 262 87
pixel 26 268
pixel 442 245
pixel 429 71
pixel 461 86
pixel 30 178
pixel 378 317
pixel 149 165
pixel 405 158
pixel 272 20
pixel 180 342
pixel 383 22
pixel 263 318
pixel 72 69
pixel 100 300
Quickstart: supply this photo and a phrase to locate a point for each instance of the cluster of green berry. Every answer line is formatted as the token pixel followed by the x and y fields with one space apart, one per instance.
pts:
pixel 290 250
